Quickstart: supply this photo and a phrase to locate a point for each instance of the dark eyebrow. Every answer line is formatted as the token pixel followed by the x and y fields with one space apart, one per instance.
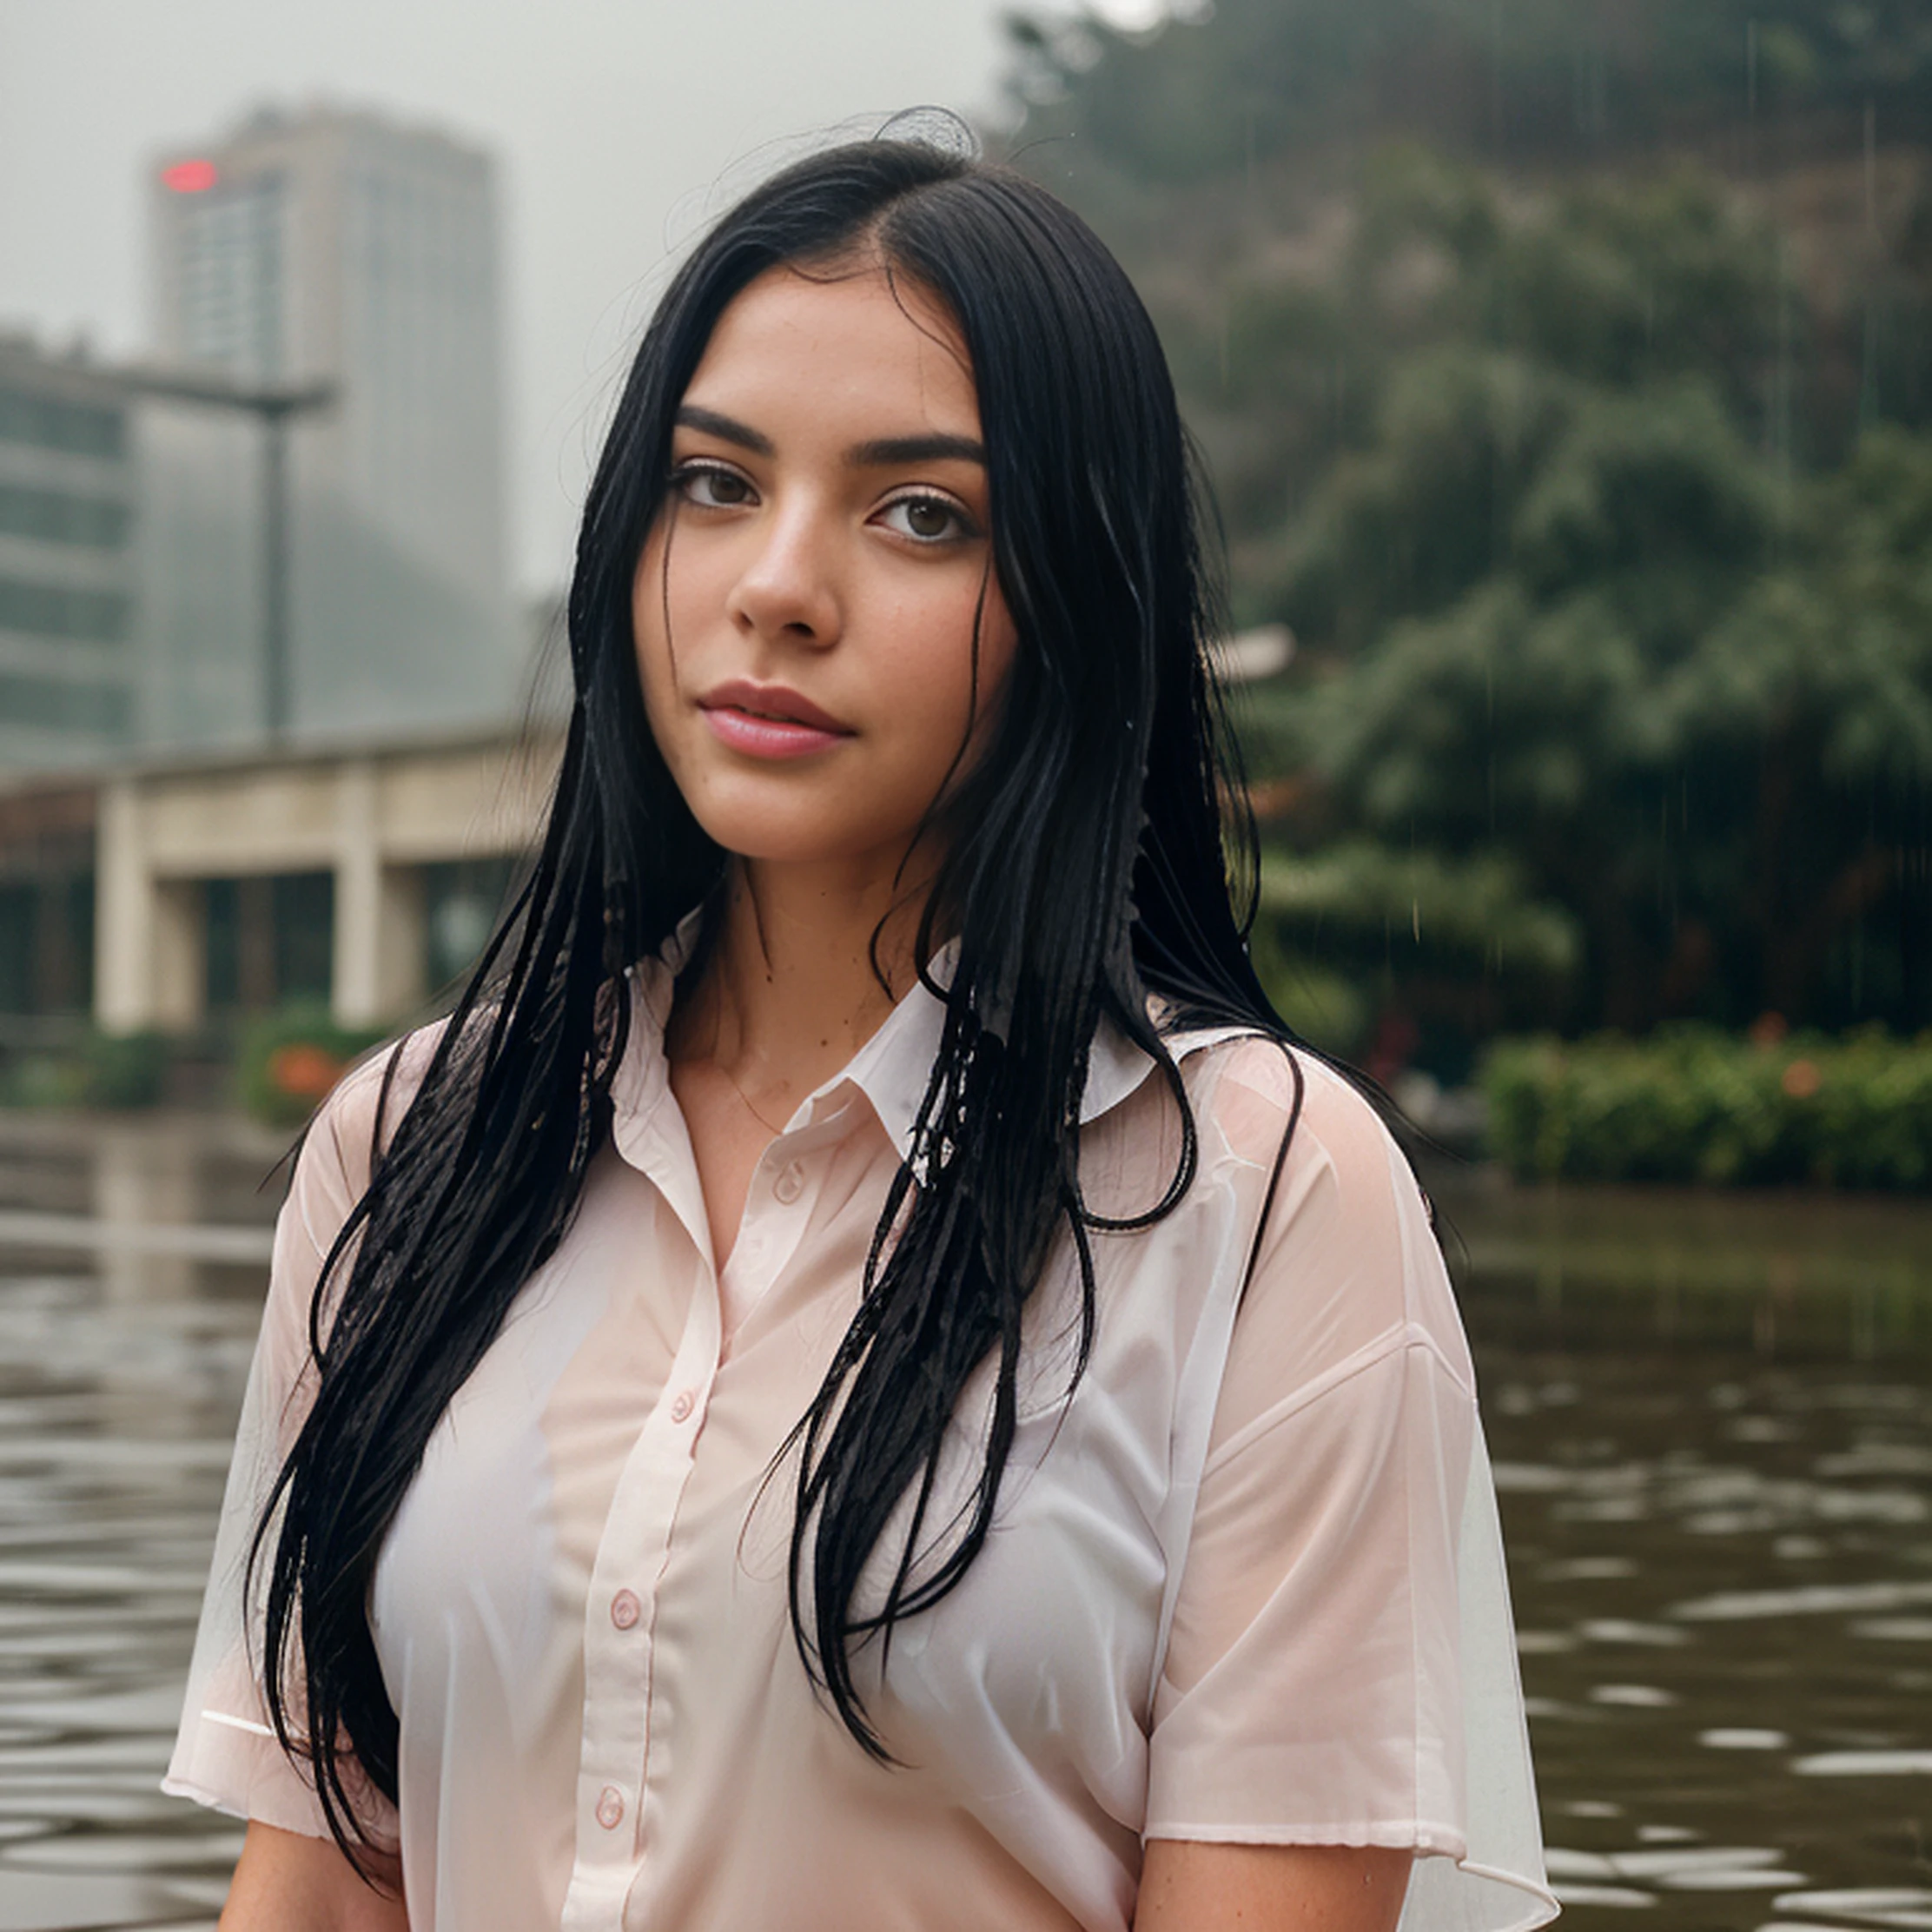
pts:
pixel 890 451
pixel 726 428
pixel 884 453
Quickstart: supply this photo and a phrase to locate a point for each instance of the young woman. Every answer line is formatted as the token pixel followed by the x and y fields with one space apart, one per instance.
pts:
pixel 860 1380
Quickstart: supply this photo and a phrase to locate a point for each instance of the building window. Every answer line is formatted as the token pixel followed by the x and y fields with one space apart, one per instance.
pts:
pixel 63 611
pixel 54 516
pixel 270 940
pixel 50 422
pixel 231 278
pixel 52 704
pixel 462 901
pixel 47 945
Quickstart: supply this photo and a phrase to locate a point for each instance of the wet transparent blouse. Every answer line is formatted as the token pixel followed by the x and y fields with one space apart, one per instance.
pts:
pixel 1246 1586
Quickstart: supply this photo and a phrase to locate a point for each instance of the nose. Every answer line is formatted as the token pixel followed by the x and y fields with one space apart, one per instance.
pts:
pixel 786 591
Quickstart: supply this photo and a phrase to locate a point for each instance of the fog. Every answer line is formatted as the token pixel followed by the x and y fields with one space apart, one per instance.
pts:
pixel 617 124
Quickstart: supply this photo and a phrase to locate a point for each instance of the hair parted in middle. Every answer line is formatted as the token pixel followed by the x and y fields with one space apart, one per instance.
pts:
pixel 1087 863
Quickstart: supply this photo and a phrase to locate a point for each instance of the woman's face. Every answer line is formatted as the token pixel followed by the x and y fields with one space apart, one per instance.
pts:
pixel 807 604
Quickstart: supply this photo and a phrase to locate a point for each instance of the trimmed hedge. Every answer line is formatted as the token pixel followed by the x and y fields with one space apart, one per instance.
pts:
pixel 1691 1103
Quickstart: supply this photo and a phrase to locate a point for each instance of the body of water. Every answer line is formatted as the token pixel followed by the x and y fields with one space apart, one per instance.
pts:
pixel 1711 1420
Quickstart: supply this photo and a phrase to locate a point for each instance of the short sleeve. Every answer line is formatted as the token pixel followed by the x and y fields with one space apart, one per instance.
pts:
pixel 1341 1664
pixel 226 1754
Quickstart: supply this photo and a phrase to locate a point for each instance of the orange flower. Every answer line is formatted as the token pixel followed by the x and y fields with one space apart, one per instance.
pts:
pixel 304 1071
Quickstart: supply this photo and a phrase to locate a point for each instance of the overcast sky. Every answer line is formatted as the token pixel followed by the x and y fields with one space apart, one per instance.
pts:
pixel 613 120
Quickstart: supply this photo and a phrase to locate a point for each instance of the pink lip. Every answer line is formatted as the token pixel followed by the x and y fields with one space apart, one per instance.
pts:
pixel 768 721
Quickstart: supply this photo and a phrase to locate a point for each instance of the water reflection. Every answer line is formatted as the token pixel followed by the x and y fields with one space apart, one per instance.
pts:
pixel 1720 1525
pixel 121 1352
pixel 1726 1733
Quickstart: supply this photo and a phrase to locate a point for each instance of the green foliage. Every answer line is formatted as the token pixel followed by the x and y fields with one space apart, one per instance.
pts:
pixel 1692 1104
pixel 1705 730
pixel 1360 896
pixel 97 1070
pixel 1341 928
pixel 1585 385
pixel 1239 81
pixel 39 1080
pixel 1568 602
pixel 1838 633
pixel 291 1057
pixel 1333 1014
pixel 124 1070
pixel 1599 505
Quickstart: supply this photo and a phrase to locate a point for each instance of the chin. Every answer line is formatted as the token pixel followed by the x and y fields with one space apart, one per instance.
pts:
pixel 779 838
pixel 801 825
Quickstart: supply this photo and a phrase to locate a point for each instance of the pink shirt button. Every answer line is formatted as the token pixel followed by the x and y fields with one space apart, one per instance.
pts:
pixel 680 1409
pixel 610 1807
pixel 790 1182
pixel 625 1610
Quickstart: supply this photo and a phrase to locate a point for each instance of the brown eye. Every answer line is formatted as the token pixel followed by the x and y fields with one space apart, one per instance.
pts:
pixel 711 487
pixel 930 519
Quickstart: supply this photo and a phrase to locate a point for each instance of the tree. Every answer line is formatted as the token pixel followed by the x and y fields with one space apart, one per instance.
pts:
pixel 1233 83
pixel 1589 496
pixel 1575 613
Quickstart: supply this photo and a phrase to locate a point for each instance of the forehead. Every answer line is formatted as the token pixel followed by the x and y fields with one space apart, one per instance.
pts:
pixel 846 340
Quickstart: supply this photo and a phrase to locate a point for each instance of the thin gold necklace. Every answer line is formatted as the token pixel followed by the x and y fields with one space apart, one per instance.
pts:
pixel 746 1098
pixel 743 1097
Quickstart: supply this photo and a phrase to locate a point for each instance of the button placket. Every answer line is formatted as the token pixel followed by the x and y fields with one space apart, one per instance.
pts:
pixel 781 1205
pixel 613 1772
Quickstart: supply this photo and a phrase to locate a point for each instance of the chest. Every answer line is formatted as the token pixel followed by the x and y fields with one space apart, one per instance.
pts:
pixel 728 1138
pixel 602 1522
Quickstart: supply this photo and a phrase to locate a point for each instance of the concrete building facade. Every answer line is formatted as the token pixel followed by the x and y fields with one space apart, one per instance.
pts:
pixel 409 844
pixel 70 668
pixel 342 248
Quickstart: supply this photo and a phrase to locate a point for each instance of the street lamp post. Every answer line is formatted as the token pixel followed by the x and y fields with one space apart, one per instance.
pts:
pixel 273 405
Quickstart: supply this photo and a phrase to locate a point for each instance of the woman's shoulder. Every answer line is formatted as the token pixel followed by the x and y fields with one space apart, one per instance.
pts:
pixel 1347 1257
pixel 353 1125
pixel 1262 1091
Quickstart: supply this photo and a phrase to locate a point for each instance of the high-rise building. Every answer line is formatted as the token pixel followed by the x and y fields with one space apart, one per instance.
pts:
pixel 341 247
pixel 67 668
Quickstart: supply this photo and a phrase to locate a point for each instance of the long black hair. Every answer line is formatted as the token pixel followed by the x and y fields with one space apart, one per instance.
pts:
pixel 1091 864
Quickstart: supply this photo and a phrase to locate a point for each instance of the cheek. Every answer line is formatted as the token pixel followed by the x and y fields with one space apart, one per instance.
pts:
pixel 954 696
pixel 971 641
pixel 998 646
pixel 941 681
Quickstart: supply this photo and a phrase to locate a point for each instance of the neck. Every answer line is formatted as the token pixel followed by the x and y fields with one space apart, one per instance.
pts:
pixel 790 991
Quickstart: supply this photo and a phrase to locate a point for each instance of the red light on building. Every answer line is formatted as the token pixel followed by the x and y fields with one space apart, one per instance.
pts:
pixel 190 177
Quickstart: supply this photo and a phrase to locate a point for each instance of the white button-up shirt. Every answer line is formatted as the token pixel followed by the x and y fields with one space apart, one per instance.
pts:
pixel 1245 1586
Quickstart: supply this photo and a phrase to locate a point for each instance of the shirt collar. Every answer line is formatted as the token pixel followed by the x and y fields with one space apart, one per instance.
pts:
pixel 891 1069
